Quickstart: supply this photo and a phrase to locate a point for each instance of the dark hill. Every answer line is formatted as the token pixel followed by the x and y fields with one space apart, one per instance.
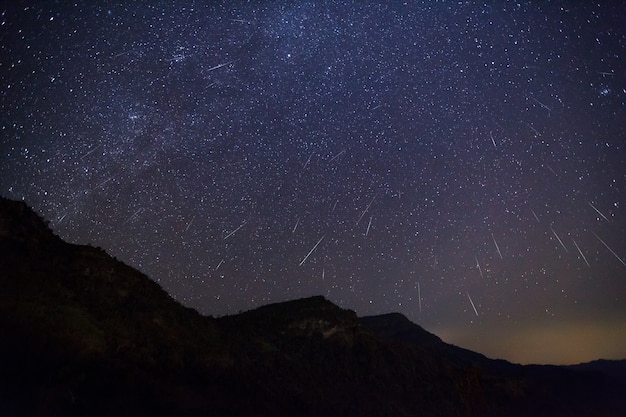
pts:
pixel 396 327
pixel 84 334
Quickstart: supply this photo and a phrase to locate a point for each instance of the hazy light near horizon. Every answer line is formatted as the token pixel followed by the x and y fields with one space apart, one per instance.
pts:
pixel 555 343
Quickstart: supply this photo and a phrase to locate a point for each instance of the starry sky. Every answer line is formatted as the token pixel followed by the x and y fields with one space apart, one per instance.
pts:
pixel 461 163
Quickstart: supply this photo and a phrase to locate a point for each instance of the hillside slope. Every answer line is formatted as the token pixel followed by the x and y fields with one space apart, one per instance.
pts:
pixel 84 334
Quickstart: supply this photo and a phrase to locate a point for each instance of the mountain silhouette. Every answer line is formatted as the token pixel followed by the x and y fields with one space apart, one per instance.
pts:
pixel 85 335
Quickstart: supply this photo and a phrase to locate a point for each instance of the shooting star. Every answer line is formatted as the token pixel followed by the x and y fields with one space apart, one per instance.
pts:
pixel 334 207
pixel 534 130
pixel 472 303
pixel 611 250
pixel 337 156
pixel 535 214
pixel 541 104
pixel 311 251
pixel 366 208
pixel 307 162
pixel 61 219
pixel 296 226
pixel 598 211
pixel 497 247
pixel 189 224
pixel 123 53
pixel 559 239
pixel 368 227
pixel 220 66
pixel 478 266
pixel 419 296
pixel 323 273
pixel 581 253
pixel 234 231
pixel 90 152
pixel 552 171
pixel 492 140
pixel 133 216
pixel 218 265
pixel 105 181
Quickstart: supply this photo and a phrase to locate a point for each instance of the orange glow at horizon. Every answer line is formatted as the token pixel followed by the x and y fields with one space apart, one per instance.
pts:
pixel 562 343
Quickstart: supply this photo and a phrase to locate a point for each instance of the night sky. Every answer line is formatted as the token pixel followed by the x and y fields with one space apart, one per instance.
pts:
pixel 462 164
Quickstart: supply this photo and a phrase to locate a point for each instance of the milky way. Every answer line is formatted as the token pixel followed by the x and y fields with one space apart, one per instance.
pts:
pixel 462 164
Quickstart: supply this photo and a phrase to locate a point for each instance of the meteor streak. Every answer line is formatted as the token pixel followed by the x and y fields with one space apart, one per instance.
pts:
pixel 534 130
pixel 220 66
pixel 368 227
pixel 105 181
pixel 598 211
pixel 472 303
pixel 535 214
pixel 541 104
pixel 610 250
pixel 337 156
pixel 218 265
pixel 133 216
pixel 90 152
pixel 478 266
pixel 497 247
pixel 307 162
pixel 234 231
pixel 365 211
pixel 581 253
pixel 311 251
pixel 189 224
pixel 419 296
pixel 558 238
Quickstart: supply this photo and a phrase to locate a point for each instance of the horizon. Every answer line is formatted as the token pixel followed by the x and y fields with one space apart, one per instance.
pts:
pixel 460 337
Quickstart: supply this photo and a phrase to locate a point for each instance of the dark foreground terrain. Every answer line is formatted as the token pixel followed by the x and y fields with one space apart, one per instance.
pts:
pixel 82 334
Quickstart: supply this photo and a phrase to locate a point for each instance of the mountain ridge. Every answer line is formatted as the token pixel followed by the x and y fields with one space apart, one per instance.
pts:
pixel 86 334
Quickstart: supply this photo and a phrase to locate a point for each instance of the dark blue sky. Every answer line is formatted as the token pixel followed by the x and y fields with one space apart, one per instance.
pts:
pixel 462 164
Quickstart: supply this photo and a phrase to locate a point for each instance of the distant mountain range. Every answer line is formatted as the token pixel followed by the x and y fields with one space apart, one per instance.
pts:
pixel 82 334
